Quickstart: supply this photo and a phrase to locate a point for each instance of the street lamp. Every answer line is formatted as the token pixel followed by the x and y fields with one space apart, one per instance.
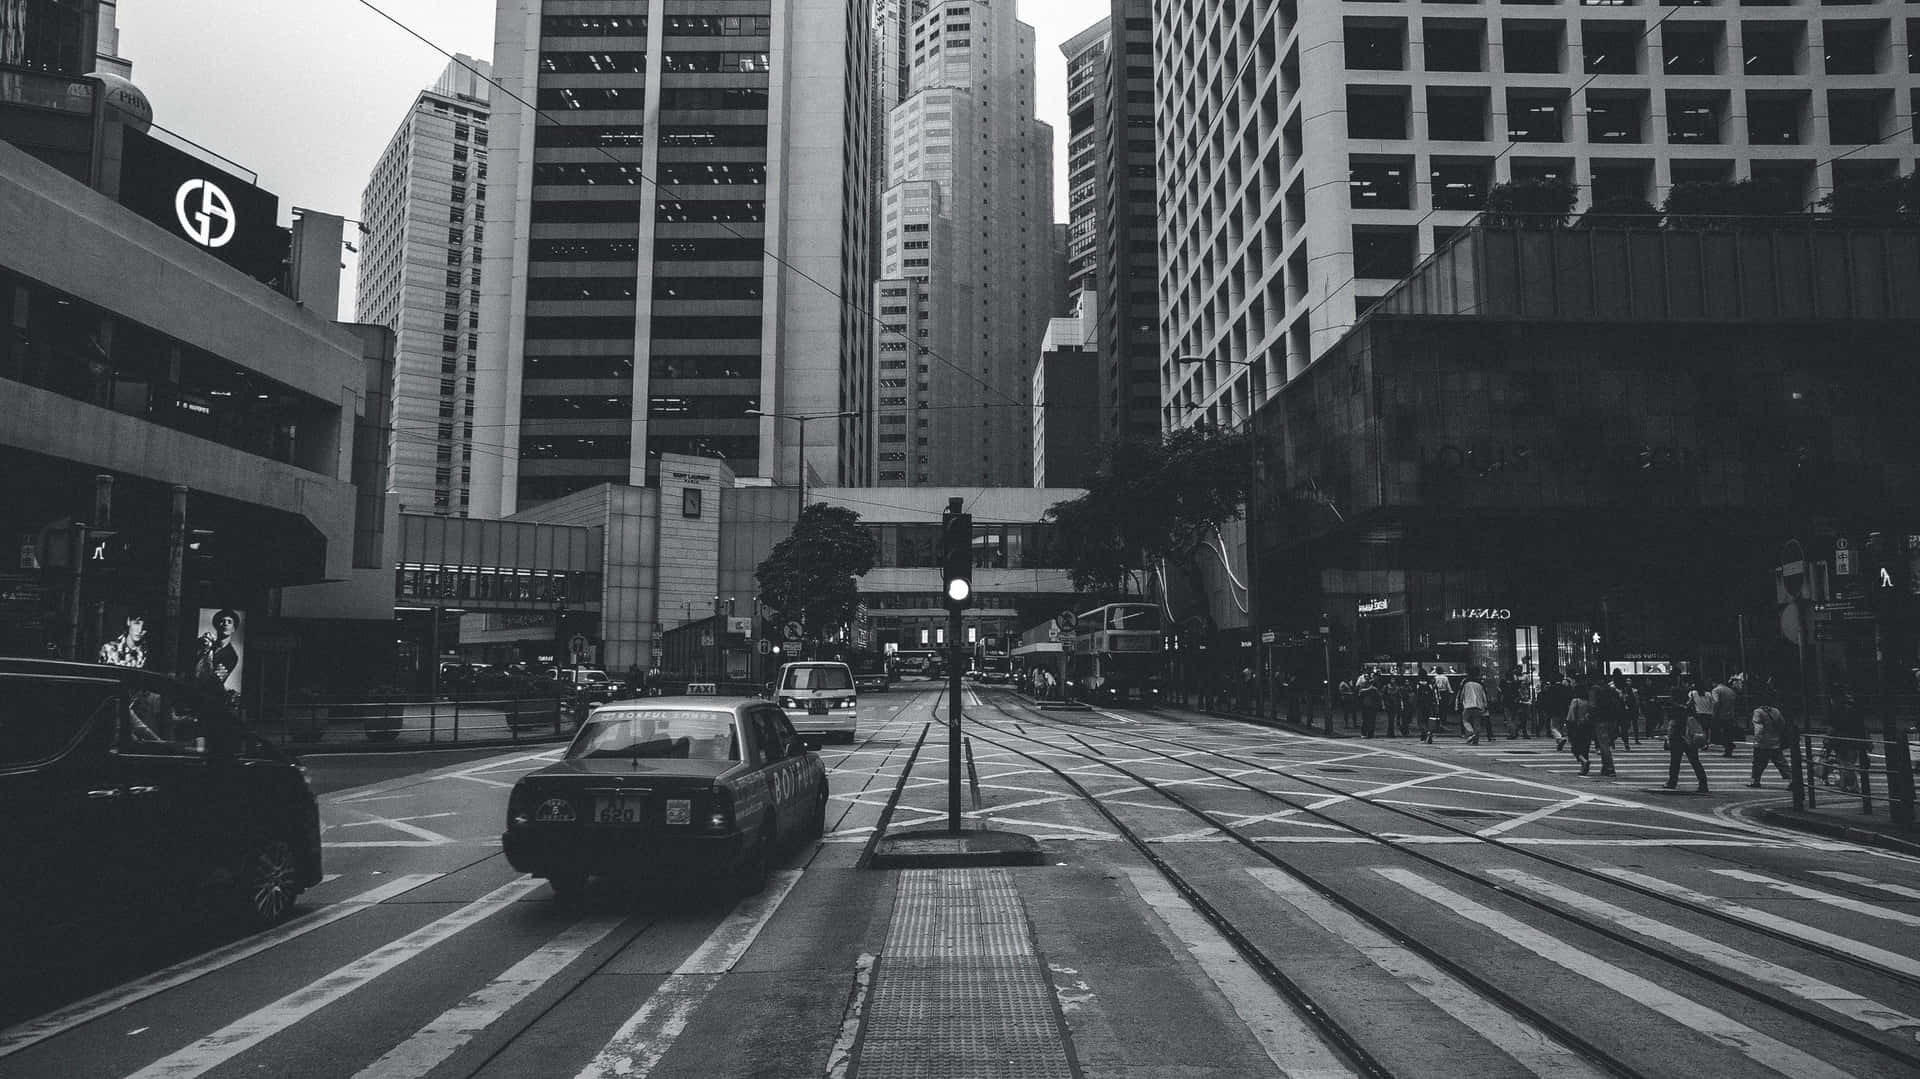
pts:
pixel 1253 559
pixel 803 421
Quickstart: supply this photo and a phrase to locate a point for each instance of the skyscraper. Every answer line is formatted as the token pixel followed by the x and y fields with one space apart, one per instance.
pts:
pixel 967 279
pixel 679 242
pixel 419 276
pixel 1353 139
pixel 1128 261
pixel 1087 105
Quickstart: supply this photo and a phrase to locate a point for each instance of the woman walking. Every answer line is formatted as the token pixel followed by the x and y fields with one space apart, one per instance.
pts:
pixel 1579 724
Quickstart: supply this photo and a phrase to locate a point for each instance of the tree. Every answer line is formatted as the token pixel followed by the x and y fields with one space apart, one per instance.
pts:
pixel 1152 501
pixel 1875 202
pixel 1708 204
pixel 809 577
pixel 1531 204
pixel 1620 212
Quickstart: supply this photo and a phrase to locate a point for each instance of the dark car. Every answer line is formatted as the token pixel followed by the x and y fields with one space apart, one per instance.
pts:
pixel 700 788
pixel 118 786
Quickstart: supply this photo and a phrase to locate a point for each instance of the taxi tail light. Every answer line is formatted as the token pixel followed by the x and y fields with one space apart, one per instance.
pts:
pixel 519 808
pixel 719 812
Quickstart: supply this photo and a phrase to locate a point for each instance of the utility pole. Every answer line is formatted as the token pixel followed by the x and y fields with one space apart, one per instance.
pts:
pixel 957 570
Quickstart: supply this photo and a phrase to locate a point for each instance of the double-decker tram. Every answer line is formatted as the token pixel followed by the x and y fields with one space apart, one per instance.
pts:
pixel 992 659
pixel 1118 653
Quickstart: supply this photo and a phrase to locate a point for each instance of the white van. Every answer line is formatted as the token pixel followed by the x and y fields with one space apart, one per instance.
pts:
pixel 820 699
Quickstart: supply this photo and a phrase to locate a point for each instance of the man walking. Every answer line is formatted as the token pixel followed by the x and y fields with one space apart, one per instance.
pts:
pixel 1681 741
pixel 1555 697
pixel 1770 732
pixel 1608 712
pixel 1370 707
pixel 1579 726
pixel 1473 708
pixel 1726 716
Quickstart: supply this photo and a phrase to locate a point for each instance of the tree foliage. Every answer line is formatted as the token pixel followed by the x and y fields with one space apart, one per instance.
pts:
pixel 1152 501
pixel 1876 202
pixel 1619 212
pixel 809 576
pixel 1531 204
pixel 1708 203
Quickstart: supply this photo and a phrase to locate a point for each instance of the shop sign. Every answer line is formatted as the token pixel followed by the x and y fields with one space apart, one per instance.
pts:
pixel 1480 614
pixel 1380 606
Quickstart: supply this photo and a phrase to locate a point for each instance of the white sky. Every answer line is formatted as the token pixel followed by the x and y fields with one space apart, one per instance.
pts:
pixel 308 93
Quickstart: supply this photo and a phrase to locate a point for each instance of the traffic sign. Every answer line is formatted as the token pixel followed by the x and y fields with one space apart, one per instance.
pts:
pixel 1267 637
pixel 794 630
pixel 765 647
pixel 1842 557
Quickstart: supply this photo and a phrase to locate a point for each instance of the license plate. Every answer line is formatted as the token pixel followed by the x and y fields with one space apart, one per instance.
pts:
pixel 679 811
pixel 817 708
pixel 619 810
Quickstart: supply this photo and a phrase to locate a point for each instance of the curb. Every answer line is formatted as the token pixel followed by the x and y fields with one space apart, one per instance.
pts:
pixel 1871 837
pixel 944 850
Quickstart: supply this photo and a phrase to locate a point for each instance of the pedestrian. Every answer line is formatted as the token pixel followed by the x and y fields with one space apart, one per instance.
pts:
pixel 1616 702
pixel 1369 699
pixel 1849 742
pixel 1510 703
pixel 1685 735
pixel 1554 701
pixel 1473 708
pixel 1726 713
pixel 1608 715
pixel 1636 723
pixel 1349 704
pixel 1426 706
pixel 1771 731
pixel 1577 726
pixel 1444 698
pixel 1701 706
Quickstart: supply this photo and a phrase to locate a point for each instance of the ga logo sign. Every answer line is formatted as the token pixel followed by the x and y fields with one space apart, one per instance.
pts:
pixel 205 212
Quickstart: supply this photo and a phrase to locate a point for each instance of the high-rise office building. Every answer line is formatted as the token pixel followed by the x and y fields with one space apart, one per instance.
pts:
pixel 680 251
pixel 1086 54
pixel 1128 261
pixel 1354 137
pixel 968 267
pixel 419 276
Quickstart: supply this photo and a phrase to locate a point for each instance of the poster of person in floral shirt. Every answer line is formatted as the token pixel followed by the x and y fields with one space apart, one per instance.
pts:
pixel 130 648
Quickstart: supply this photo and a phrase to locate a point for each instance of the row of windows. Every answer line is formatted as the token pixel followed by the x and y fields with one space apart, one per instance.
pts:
pixel 583 448
pixel 711 211
pixel 719 25
pixel 672 406
pixel 707 367
pixel 578 367
pixel 593 63
pixel 714 62
pixel 591 97
pixel 713 97
pixel 593 26
pixel 583 251
pixel 611 328
pixel 576 407
pixel 555 134
pixel 499 585
pixel 717 249
pixel 713 135
pixel 1772 117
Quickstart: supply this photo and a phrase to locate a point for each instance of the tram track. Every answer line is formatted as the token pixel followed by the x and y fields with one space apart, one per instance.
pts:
pixel 1546 1024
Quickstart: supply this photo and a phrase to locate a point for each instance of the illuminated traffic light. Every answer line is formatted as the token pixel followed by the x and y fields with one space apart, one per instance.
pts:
pixel 956 560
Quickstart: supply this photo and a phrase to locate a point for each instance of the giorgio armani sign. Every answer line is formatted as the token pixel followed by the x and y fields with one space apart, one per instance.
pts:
pixel 212 209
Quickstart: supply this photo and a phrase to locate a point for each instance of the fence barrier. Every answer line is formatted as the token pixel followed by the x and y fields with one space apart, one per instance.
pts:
pixel 1843 770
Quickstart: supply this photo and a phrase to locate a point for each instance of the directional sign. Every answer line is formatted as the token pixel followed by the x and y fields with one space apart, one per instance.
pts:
pixel 794 630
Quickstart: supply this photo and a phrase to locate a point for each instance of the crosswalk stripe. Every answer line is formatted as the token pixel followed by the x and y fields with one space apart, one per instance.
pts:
pixel 1528 1046
pixel 1856 906
pixel 637 1048
pixel 85 1011
pixel 1753 915
pixel 440 1039
pixel 250 1030
pixel 1868 882
pixel 1763 1050
pixel 1846 1002
pixel 1295 1048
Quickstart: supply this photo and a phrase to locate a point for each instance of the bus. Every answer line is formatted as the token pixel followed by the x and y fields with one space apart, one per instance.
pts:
pixel 993 659
pixel 1118 653
pixel 918 662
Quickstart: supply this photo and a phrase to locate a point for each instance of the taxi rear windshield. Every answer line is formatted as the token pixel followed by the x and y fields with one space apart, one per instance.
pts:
pixel 680 735
pixel 835 677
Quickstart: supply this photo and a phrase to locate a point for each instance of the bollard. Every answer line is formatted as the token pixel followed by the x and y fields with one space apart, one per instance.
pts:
pixel 1811 788
pixel 1899 779
pixel 1797 784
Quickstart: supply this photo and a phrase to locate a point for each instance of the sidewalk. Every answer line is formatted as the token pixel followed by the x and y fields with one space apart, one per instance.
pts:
pixel 1838 816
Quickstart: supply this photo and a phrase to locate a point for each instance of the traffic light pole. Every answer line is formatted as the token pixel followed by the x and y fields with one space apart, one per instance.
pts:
pixel 953 721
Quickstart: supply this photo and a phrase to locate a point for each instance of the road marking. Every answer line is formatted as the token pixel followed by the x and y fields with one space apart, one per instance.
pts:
pixel 841 1057
pixel 440 1039
pixel 85 1011
pixel 1526 1044
pixel 637 1048
pixel 1868 882
pixel 1800 891
pixel 250 1030
pixel 1293 1046
pixel 1755 1046
pixel 1528 818
pixel 1846 1002
pixel 1866 952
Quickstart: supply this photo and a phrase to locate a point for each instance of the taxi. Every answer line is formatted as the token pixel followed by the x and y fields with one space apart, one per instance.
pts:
pixel 662 787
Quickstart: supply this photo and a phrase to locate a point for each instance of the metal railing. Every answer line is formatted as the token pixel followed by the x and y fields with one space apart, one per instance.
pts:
pixel 1846 770
pixel 420 719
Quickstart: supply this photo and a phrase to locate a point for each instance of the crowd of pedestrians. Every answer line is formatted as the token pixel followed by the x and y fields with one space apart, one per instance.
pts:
pixel 1586 717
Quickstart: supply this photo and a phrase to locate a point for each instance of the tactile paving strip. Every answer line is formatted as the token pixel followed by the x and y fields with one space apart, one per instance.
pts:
pixel 959 993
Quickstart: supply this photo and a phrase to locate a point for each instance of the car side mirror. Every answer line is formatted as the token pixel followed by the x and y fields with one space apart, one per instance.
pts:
pixel 796 746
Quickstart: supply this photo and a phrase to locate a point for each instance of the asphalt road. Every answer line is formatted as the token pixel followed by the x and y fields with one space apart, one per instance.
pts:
pixel 1439 910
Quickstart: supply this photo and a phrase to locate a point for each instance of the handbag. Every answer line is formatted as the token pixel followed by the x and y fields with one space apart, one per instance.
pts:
pixel 1696 733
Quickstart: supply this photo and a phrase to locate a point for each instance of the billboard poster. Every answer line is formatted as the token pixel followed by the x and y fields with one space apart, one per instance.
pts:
pixel 213 209
pixel 219 655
